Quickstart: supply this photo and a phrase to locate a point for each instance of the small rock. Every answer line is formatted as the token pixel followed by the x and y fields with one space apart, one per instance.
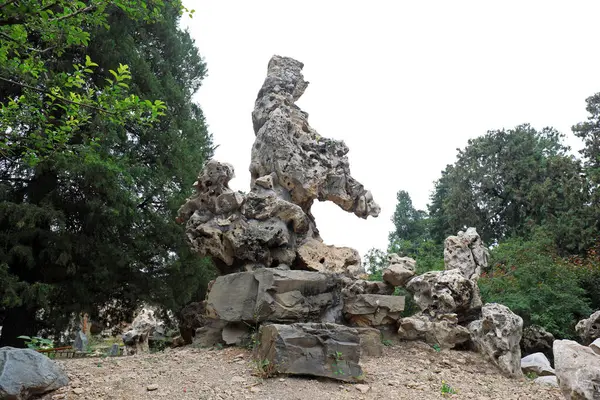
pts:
pixel 152 387
pixel 254 389
pixel 548 380
pixel 281 380
pixel 362 388
pixel 78 391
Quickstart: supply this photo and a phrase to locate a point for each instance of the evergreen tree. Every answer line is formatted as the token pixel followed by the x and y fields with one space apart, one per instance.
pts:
pixel 92 226
pixel 507 182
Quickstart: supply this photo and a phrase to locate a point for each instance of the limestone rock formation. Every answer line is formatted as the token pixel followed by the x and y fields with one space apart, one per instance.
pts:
pixel 25 373
pixel 303 165
pixel 536 340
pixel 327 350
pixel 442 330
pixel 291 167
pixel 446 292
pixel 466 252
pixel 497 336
pixel 595 346
pixel 589 329
pixel 399 271
pixel 577 369
pixel 144 328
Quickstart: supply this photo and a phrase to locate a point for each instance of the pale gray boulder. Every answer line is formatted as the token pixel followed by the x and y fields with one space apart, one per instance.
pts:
pixel 25 373
pixel 577 369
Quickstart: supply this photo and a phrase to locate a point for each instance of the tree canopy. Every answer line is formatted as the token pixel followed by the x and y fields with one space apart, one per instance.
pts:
pixel 94 167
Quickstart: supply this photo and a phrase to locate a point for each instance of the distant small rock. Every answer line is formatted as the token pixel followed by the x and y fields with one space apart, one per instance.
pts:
pixel 78 391
pixel 362 388
pixel 152 387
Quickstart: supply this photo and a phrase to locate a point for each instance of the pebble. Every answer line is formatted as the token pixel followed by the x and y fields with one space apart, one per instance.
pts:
pixel 78 391
pixel 362 388
pixel 152 387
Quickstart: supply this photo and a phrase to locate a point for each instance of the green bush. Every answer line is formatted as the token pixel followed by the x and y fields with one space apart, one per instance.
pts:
pixel 530 279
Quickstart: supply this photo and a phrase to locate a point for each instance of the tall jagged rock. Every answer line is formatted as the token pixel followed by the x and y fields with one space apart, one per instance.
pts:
pixel 291 167
pixel 466 252
pixel 303 165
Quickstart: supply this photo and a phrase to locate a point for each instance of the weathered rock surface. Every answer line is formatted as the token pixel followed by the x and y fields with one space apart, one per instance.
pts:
pixel 536 340
pixel 467 253
pixel 370 342
pixel 399 271
pixel 302 163
pixel 497 336
pixel 273 295
pixel 442 330
pixel 589 329
pixel 210 334
pixel 314 255
pixel 595 346
pixel 537 363
pixel 372 310
pixel 291 167
pixel 326 350
pixel 25 373
pixel 144 328
pixel 446 292
pixel 577 369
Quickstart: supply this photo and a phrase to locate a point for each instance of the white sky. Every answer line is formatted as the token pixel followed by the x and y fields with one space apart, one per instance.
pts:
pixel 403 83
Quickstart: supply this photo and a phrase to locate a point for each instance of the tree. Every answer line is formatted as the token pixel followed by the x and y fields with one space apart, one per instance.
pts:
pixel 507 182
pixel 589 132
pixel 41 107
pixel 411 236
pixel 90 223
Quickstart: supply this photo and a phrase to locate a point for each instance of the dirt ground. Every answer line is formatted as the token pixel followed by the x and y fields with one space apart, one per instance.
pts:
pixel 410 370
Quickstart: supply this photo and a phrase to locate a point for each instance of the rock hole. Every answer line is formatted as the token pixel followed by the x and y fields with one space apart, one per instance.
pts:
pixel 322 260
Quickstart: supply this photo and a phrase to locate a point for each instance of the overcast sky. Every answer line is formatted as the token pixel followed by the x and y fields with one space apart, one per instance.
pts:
pixel 403 83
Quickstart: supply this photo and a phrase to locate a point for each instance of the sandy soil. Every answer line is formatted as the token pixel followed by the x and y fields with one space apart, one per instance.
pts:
pixel 406 371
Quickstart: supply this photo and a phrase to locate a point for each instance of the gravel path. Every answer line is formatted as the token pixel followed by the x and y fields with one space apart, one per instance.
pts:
pixel 410 370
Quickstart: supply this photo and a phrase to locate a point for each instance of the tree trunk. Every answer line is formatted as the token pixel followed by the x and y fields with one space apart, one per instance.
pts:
pixel 18 321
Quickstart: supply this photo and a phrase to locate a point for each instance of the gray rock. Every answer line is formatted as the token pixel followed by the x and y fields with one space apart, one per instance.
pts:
pixel 400 270
pixel 589 329
pixel 236 333
pixel 370 342
pixel 307 166
pixel 442 330
pixel 25 373
pixel 577 369
pixel 81 341
pixel 326 350
pixel 372 310
pixel 273 295
pixel 537 363
pixel 536 340
pixel 497 336
pixel 446 292
pixel 466 253
pixel 549 380
pixel 210 334
pixel 314 255
pixel 145 327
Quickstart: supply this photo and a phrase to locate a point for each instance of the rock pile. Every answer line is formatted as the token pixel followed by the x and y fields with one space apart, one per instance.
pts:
pixel 277 273
pixel 307 297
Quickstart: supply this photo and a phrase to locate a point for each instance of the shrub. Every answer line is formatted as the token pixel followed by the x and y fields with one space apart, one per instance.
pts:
pixel 530 279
